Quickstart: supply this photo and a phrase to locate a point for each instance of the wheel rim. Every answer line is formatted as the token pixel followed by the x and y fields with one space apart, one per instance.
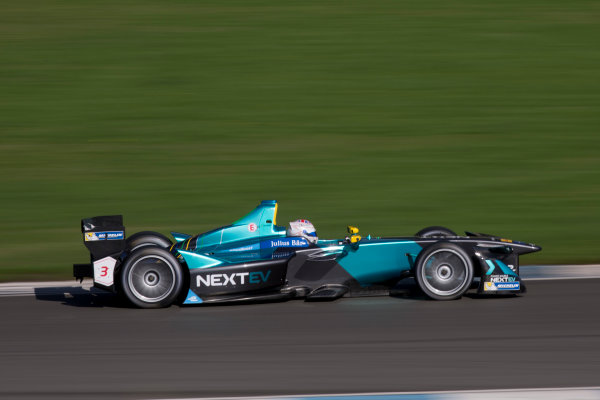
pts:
pixel 445 272
pixel 151 278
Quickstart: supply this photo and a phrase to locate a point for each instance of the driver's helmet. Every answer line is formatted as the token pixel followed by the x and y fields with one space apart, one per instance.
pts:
pixel 303 228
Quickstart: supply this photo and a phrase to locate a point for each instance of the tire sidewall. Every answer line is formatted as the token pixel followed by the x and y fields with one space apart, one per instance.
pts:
pixel 147 238
pixel 435 231
pixel 130 262
pixel 424 256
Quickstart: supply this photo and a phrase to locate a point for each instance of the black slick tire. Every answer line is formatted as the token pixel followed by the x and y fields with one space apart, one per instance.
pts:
pixel 147 238
pixel 444 271
pixel 435 231
pixel 151 277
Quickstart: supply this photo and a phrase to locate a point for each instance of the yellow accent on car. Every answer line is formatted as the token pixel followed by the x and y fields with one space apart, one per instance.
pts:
pixel 506 240
pixel 355 238
pixel 352 230
pixel 275 214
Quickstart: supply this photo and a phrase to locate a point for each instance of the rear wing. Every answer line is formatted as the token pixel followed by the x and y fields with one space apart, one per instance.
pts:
pixel 104 237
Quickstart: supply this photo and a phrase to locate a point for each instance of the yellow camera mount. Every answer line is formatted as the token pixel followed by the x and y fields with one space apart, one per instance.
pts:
pixel 352 230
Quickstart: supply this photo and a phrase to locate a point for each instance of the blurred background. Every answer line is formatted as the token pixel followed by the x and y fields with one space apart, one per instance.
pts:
pixel 391 115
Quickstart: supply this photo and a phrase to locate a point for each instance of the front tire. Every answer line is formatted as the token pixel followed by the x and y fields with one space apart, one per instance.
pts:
pixel 444 271
pixel 435 232
pixel 151 277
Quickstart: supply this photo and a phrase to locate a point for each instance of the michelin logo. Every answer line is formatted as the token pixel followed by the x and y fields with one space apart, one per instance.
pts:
pixel 508 286
pixel 94 236
pixel 119 235
pixel 495 286
pixel 240 278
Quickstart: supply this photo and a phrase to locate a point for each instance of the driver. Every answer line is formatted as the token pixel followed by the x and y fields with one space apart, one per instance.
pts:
pixel 302 228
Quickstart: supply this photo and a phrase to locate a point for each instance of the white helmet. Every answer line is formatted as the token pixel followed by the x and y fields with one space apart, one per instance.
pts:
pixel 303 228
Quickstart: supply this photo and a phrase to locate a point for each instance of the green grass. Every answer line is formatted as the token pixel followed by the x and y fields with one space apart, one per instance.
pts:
pixel 390 115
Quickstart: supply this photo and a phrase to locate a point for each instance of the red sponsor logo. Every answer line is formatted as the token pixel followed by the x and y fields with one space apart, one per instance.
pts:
pixel 252 227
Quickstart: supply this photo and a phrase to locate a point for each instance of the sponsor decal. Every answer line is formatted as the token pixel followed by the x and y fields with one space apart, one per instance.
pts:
pixel 245 248
pixel 502 278
pixel 508 286
pixel 114 235
pixel 507 269
pixel 270 244
pixel 240 278
pixel 90 236
pixel 192 298
pixel 252 227
pixel 117 235
pixel 286 242
pixel 104 270
pixel 282 254
pixel 495 286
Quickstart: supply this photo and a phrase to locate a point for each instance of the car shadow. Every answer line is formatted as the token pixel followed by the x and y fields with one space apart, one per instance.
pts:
pixel 408 289
pixel 483 296
pixel 80 297
pixel 77 296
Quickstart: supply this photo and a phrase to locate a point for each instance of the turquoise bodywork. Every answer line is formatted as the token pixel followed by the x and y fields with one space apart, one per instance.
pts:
pixel 233 243
pixel 378 260
pixel 180 237
pixel 256 237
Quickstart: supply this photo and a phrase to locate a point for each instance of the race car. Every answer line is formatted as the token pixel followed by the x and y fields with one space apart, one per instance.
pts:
pixel 254 259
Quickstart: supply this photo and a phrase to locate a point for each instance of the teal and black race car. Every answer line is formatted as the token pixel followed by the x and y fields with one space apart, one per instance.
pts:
pixel 254 259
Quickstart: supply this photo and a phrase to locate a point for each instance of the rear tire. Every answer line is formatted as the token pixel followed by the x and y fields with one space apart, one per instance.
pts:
pixel 435 231
pixel 151 277
pixel 147 238
pixel 444 271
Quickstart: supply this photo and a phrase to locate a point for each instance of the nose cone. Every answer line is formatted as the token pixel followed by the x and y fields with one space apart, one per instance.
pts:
pixel 530 248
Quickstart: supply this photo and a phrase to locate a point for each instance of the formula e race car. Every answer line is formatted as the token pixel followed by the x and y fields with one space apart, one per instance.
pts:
pixel 253 259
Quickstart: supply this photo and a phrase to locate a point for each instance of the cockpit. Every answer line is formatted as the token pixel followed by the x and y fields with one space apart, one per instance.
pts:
pixel 302 228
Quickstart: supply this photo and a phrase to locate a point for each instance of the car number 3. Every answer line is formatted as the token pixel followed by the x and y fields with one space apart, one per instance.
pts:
pixel 104 271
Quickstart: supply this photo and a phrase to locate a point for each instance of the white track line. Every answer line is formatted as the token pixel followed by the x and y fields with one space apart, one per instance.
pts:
pixel 12 289
pixel 527 272
pixel 580 393
pixel 546 272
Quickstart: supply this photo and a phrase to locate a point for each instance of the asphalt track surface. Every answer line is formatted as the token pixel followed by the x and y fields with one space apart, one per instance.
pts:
pixel 82 345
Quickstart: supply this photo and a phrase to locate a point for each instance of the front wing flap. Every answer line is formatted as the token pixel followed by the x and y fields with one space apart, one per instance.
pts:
pixel 499 276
